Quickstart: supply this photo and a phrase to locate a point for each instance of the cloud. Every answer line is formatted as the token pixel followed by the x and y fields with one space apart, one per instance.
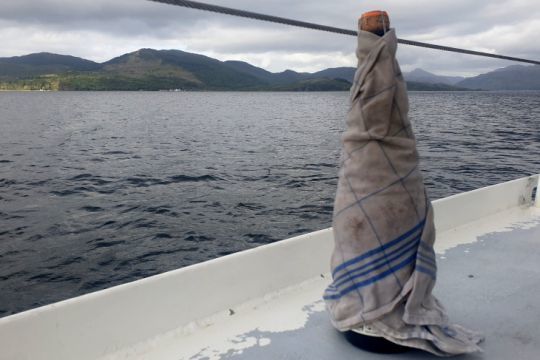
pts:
pixel 102 29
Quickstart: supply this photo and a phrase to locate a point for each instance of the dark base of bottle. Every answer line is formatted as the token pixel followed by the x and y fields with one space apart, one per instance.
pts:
pixel 374 344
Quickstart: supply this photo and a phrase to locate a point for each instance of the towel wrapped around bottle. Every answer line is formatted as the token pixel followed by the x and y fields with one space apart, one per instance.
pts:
pixel 383 265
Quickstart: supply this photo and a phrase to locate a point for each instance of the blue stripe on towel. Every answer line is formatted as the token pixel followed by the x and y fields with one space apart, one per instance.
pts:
pixel 372 280
pixel 426 271
pixel 381 258
pixel 384 261
pixel 330 290
pixel 426 260
pixel 378 249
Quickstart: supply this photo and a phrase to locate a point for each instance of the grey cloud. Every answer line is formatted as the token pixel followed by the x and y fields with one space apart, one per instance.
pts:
pixel 242 39
pixel 124 24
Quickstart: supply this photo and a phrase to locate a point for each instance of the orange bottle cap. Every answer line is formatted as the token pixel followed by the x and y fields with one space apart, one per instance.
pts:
pixel 375 13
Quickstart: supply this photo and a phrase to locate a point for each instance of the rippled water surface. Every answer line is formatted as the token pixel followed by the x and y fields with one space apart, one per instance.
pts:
pixel 97 189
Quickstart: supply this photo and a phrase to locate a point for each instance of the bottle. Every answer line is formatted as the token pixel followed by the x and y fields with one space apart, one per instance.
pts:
pixel 376 22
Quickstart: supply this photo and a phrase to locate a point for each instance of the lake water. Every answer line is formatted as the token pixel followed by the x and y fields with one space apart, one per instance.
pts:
pixel 98 189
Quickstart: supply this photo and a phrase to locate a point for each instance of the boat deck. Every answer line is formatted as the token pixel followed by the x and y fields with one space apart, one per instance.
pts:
pixel 488 278
pixel 265 303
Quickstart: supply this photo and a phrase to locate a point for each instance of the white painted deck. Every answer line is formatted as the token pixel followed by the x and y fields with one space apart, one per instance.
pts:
pixel 265 303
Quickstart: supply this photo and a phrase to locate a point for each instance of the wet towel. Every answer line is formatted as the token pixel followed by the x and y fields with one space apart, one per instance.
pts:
pixel 383 265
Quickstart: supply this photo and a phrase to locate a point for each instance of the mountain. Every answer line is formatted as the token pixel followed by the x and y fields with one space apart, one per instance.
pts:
pixel 281 78
pixel 42 64
pixel 514 77
pixel 179 69
pixel 419 86
pixel 149 69
pixel 289 76
pixel 422 76
pixel 319 84
pixel 345 73
pixel 246 68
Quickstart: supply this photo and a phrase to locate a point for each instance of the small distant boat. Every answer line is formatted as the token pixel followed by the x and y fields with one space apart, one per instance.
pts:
pixel 265 303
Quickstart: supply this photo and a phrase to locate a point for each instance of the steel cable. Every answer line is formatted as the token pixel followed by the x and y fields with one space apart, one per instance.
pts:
pixel 308 25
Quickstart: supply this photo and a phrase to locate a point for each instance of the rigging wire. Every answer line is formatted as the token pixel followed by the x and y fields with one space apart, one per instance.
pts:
pixel 308 25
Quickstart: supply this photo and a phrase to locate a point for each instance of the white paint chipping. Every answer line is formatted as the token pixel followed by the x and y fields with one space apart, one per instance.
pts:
pixel 506 221
pixel 232 334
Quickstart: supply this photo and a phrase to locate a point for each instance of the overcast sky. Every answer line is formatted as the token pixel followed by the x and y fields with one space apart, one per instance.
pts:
pixel 102 29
